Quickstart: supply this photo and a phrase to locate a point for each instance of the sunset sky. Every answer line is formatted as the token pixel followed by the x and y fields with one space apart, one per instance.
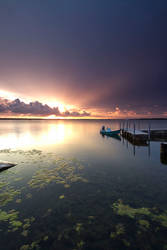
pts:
pixel 83 58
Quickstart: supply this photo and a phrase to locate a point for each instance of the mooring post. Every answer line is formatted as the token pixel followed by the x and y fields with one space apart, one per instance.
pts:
pixel 163 153
pixel 134 128
pixel 123 127
pixel 127 125
pixel 138 124
pixel 149 131
pixel 134 150
pixel 149 136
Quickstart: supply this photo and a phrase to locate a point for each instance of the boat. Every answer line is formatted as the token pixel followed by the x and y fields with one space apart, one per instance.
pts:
pixel 109 132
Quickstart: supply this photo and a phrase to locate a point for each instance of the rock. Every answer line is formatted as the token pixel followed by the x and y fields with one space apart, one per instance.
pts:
pixel 5 165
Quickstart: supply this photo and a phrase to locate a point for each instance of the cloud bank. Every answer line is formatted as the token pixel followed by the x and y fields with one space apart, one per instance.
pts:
pixel 18 107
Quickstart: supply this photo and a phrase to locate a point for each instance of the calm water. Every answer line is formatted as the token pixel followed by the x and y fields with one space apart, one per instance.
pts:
pixel 74 189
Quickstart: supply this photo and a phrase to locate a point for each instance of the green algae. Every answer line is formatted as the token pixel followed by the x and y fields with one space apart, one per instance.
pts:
pixel 3 184
pixel 48 212
pixel 25 247
pixel 67 186
pixel 126 243
pixel 18 179
pixel 61 197
pixel 8 195
pixel 125 210
pixel 10 216
pixel 119 230
pixel 18 201
pixel 33 246
pixel 91 217
pixel 80 244
pixel 13 221
pixel 78 227
pixel 25 233
pixel 144 224
pixel 16 223
pixel 27 222
pixel 45 238
pixel 161 218
pixel 63 172
pixel 122 209
pixel 28 196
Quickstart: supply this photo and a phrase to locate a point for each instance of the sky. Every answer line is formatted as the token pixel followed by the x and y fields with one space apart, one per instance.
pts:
pixel 83 58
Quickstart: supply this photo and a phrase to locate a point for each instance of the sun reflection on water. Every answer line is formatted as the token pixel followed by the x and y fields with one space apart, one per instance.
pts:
pixel 26 137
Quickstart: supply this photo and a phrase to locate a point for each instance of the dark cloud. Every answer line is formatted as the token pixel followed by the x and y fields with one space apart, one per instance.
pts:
pixel 33 108
pixel 2 108
pixel 36 108
pixel 75 114
pixel 91 53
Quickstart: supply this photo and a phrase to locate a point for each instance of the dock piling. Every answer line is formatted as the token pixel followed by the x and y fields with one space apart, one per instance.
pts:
pixel 163 153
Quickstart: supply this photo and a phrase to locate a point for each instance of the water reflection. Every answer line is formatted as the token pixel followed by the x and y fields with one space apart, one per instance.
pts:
pixel 76 137
pixel 107 192
pixel 116 136
pixel 20 134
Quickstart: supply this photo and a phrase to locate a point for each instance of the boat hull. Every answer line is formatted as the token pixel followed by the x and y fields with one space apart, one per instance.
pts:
pixel 110 133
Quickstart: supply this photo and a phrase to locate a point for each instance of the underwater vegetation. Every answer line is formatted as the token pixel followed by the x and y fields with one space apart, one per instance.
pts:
pixel 63 172
pixel 49 168
pixel 140 213
pixel 3 184
pixel 144 224
pixel 57 206
pixel 123 209
pixel 12 219
pixel 119 229
pixel 8 195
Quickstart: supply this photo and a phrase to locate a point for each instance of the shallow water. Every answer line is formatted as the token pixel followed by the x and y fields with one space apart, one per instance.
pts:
pixel 74 189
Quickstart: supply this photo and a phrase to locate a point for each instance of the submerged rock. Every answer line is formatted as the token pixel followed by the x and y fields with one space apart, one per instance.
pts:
pixel 5 165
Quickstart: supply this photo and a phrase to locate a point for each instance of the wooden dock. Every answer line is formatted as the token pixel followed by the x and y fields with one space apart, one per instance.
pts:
pixel 140 136
pixel 145 136
pixel 157 134
pixel 136 137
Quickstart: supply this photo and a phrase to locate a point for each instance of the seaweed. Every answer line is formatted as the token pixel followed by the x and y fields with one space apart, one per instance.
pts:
pixel 18 201
pixel 8 195
pixel 161 218
pixel 123 209
pixel 61 197
pixel 144 224
pixel 78 227
pixel 119 230
pixel 64 172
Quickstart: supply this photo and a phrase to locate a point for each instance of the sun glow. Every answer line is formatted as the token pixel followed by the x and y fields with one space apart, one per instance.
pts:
pixel 48 134
pixel 61 107
pixel 8 95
